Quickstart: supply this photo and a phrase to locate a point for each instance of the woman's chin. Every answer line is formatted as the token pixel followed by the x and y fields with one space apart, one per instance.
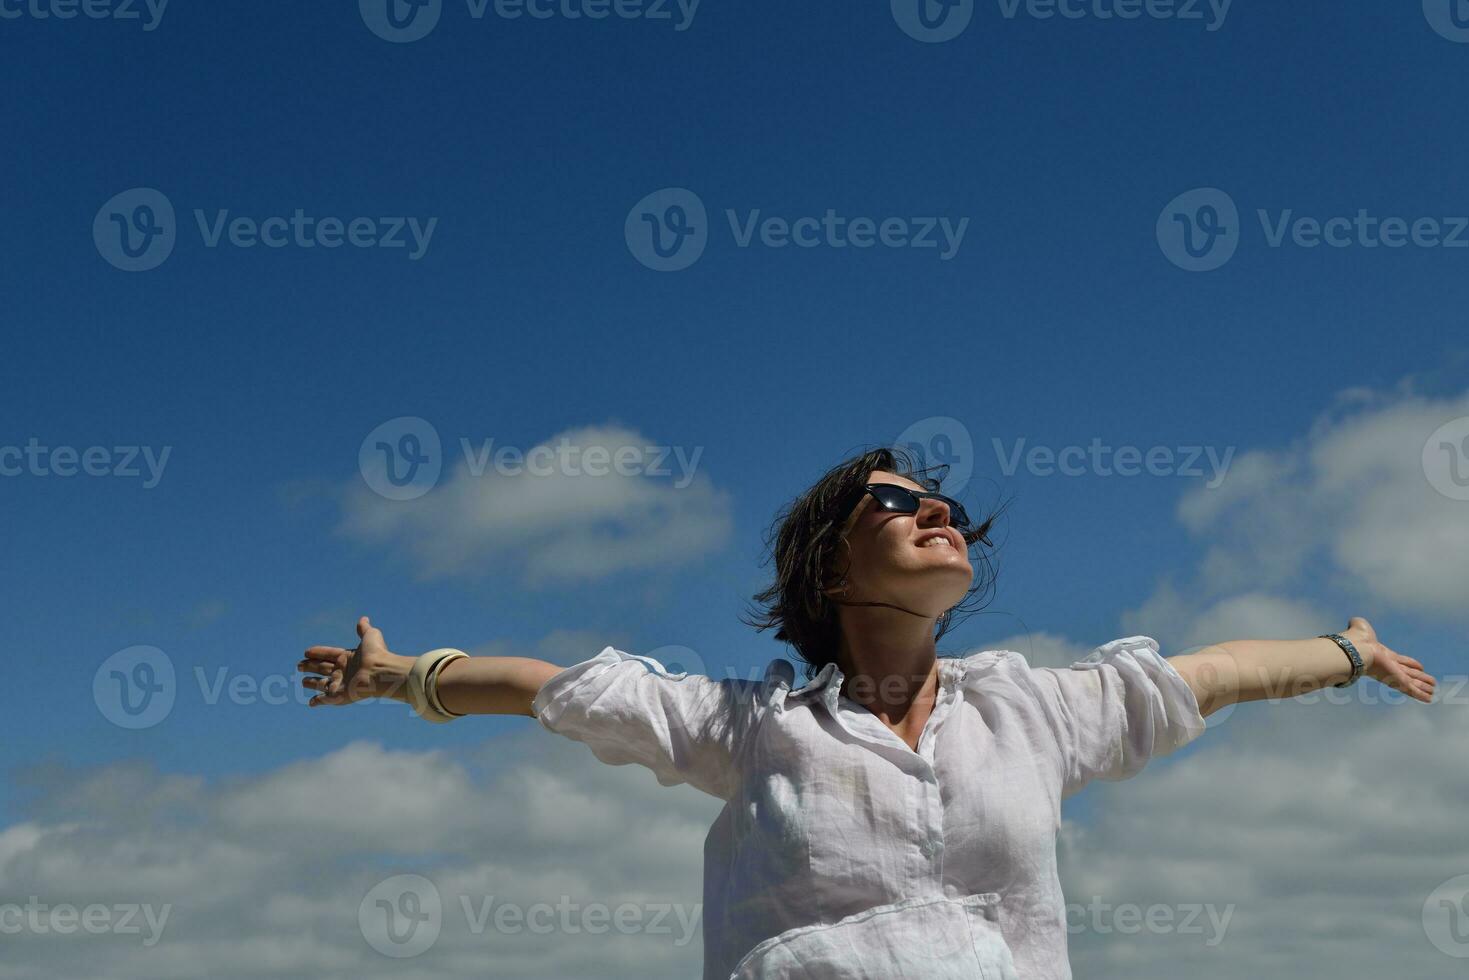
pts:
pixel 942 584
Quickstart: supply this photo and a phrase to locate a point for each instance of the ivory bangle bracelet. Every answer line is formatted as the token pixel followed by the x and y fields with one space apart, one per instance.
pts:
pixel 431 688
pixel 417 681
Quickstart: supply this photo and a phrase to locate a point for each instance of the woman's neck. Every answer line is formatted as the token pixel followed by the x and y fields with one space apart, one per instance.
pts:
pixel 888 659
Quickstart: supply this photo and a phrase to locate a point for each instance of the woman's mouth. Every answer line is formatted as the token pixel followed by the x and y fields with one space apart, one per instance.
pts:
pixel 936 540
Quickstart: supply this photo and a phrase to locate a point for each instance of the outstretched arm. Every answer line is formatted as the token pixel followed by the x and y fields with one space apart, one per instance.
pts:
pixel 1256 670
pixel 468 686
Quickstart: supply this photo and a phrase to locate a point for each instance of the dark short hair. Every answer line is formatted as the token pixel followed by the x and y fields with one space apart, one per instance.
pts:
pixel 803 544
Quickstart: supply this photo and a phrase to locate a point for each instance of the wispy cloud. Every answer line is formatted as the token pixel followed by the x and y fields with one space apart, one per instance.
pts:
pixel 556 526
pixel 1354 500
pixel 265 875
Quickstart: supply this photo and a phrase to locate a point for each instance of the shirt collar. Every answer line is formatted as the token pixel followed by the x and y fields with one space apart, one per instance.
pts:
pixel 828 680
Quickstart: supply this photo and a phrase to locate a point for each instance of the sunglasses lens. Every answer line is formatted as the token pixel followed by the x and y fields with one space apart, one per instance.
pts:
pixel 904 501
pixel 895 498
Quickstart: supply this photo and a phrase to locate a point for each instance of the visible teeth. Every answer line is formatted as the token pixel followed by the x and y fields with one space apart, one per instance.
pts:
pixel 931 542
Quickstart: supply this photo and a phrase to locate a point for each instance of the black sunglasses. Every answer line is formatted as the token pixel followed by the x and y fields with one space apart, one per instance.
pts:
pixel 901 500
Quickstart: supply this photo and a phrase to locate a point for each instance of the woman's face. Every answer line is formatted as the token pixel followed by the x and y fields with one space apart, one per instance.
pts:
pixel 916 561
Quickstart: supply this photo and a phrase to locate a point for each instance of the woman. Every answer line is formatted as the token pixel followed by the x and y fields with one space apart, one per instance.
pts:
pixel 895 816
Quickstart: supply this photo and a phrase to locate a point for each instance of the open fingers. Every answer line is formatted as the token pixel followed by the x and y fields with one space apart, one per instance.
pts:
pixel 324 660
pixel 1401 658
pixel 329 689
pixel 1422 677
pixel 1419 687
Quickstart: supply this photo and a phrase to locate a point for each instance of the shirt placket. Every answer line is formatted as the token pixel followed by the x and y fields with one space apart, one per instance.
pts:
pixel 930 795
pixel 922 789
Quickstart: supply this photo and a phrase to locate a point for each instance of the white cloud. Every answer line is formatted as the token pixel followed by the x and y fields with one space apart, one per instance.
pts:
pixel 1350 504
pixel 1179 625
pixel 562 525
pixel 1320 829
pixel 1325 827
pixel 264 875
pixel 1320 825
pixel 1043 649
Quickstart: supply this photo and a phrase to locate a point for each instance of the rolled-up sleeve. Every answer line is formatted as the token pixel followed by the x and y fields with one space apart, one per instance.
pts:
pixel 1116 709
pixel 686 728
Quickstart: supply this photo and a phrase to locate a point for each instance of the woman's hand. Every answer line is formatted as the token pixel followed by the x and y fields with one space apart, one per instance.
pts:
pixel 347 676
pixel 1388 666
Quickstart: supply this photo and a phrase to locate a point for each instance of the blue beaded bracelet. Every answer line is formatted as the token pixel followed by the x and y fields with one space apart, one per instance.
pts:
pixel 1352 654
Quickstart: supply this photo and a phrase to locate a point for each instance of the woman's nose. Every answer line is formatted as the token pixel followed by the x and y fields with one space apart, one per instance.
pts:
pixel 933 512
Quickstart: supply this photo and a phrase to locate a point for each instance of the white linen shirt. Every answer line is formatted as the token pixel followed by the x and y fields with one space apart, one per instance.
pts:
pixel 843 853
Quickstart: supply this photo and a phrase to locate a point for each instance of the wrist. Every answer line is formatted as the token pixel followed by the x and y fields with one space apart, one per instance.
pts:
pixel 1357 659
pixel 1366 647
pixel 392 677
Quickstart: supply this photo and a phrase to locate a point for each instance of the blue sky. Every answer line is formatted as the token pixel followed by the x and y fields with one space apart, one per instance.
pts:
pixel 1058 320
